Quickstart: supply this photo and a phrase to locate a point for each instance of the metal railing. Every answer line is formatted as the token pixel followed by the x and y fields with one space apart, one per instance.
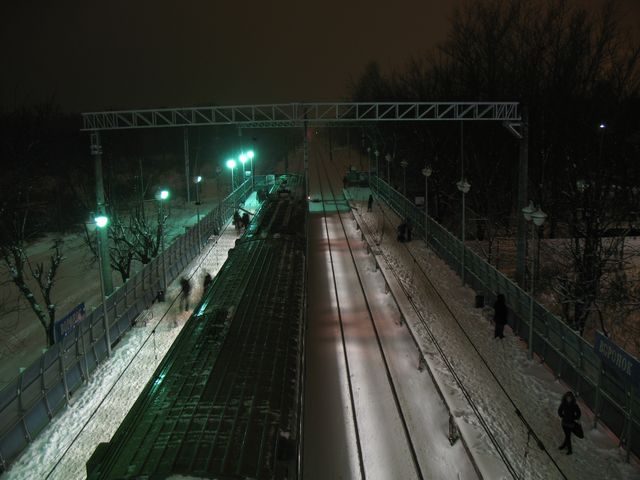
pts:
pixel 613 399
pixel 35 396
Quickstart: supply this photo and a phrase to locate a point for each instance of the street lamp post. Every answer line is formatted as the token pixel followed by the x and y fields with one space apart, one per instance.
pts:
pixel 197 180
pixel 161 197
pixel 538 217
pixel 231 165
pixel 101 222
pixel 243 159
pixel 464 187
pixel 388 158
pixel 426 171
pixel 404 165
pixel 369 158
pixel 377 154
pixel 250 155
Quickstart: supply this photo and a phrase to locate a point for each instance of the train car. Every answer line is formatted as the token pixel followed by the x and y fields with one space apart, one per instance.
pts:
pixel 224 402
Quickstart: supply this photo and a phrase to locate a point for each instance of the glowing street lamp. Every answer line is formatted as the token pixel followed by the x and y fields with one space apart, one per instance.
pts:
pixel 101 222
pixel 243 159
pixel 198 180
pixel 250 155
pixel 231 165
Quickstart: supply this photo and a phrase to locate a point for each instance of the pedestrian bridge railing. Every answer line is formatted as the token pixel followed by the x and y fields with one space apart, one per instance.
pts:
pixel 41 391
pixel 613 398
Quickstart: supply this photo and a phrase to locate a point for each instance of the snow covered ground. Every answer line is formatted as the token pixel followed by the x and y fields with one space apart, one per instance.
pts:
pixel 532 386
pixel 22 336
pixel 63 448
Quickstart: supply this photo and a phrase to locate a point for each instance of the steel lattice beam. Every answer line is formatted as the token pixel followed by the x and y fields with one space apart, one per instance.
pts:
pixel 295 114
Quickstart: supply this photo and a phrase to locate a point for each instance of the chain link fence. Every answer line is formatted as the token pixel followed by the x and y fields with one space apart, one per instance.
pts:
pixel 612 397
pixel 35 396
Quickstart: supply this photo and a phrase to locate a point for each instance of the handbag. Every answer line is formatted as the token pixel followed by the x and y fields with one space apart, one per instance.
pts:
pixel 577 429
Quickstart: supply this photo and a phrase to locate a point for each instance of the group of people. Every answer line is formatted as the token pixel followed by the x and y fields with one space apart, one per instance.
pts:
pixel 185 290
pixel 241 221
pixel 569 411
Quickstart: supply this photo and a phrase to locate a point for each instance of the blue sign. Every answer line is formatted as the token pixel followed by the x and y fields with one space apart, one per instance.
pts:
pixel 67 323
pixel 616 358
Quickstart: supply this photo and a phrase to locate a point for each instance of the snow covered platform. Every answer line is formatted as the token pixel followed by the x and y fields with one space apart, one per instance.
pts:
pixel 63 448
pixel 500 385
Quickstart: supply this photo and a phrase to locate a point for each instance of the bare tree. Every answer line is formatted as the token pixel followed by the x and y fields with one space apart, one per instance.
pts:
pixel 13 253
pixel 131 237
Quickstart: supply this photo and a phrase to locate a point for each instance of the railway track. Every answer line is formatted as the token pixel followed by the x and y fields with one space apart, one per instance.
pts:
pixel 336 251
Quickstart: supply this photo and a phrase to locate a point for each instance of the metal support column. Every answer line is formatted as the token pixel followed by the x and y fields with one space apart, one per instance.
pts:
pixel 523 180
pixel 103 244
pixel 187 176
pixel 306 158
pixel 105 316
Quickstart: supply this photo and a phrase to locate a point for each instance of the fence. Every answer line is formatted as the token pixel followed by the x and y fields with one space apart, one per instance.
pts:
pixel 613 398
pixel 30 401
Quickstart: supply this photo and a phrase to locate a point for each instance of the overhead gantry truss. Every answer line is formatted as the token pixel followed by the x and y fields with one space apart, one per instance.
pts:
pixel 299 114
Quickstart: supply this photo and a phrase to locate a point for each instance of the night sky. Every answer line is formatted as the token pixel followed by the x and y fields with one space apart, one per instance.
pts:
pixel 132 54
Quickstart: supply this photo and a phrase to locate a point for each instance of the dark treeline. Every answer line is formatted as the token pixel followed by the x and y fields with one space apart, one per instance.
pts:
pixel 577 74
pixel 44 169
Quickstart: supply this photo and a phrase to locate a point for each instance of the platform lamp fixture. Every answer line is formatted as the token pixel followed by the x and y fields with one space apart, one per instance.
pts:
pixel 243 159
pixel 426 171
pixel 162 196
pixel 388 158
pixel 198 180
pixel 250 155
pixel 377 154
pixel 463 187
pixel 404 164
pixel 538 217
pixel 231 165
pixel 369 158
pixel 102 221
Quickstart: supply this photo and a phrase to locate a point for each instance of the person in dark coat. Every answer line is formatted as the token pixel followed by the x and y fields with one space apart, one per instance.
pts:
pixel 245 220
pixel 408 230
pixel 185 287
pixel 401 230
pixel 236 220
pixel 569 412
pixel 500 316
pixel 369 203
pixel 207 282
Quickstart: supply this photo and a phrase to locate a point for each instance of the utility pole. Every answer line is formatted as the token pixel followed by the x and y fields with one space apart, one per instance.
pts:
pixel 523 180
pixel 187 176
pixel 103 243
pixel 306 158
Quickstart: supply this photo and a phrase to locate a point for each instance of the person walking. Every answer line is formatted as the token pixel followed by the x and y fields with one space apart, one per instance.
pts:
pixel 369 203
pixel 569 412
pixel 207 281
pixel 185 287
pixel 500 316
